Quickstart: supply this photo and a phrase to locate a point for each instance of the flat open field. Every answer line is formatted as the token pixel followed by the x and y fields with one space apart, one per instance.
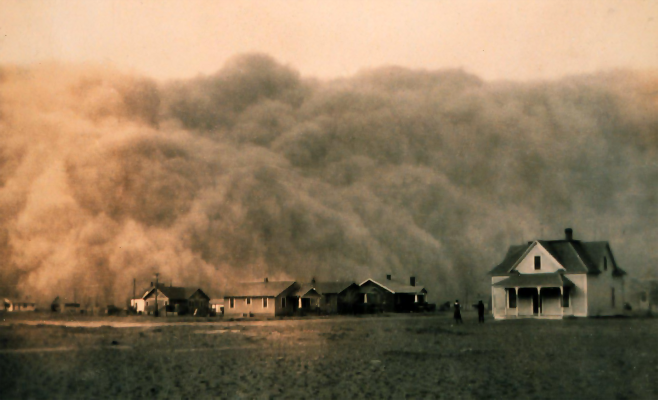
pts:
pixel 391 356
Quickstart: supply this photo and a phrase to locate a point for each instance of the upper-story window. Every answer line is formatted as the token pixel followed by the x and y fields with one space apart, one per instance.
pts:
pixel 605 263
pixel 537 262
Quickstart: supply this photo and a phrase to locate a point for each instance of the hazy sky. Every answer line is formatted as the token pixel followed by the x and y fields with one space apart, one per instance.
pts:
pixel 494 39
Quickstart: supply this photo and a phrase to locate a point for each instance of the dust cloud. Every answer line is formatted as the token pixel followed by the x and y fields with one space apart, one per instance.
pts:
pixel 257 171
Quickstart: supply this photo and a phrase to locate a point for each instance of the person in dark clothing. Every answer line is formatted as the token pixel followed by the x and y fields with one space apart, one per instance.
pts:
pixel 458 313
pixel 481 312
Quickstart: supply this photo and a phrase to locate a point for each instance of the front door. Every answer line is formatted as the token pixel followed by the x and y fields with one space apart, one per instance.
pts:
pixel 535 303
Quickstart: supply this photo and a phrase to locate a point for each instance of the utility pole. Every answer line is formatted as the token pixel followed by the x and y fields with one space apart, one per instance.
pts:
pixel 156 294
pixel 132 301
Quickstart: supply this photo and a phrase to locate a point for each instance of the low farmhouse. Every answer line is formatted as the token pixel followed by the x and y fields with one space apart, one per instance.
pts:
pixel 556 278
pixel 337 297
pixel 261 299
pixel 308 299
pixel 391 296
pixel 13 305
pixel 174 300
pixel 138 304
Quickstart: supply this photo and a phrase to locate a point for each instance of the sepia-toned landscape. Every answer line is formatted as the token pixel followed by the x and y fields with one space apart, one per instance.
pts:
pixel 325 199
pixel 390 356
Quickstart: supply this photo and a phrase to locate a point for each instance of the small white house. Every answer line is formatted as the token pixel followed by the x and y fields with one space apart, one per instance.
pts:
pixel 138 305
pixel 557 278
pixel 217 306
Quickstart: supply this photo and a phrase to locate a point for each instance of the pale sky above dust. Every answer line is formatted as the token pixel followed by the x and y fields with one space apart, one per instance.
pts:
pixel 517 40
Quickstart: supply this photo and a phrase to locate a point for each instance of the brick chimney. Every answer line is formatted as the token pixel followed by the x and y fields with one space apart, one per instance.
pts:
pixel 568 233
pixel 412 281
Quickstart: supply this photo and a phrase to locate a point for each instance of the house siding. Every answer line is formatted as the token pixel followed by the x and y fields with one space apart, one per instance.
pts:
pixel 599 300
pixel 378 298
pixel 198 304
pixel 548 262
pixel 551 301
pixel 499 299
pixel 138 305
pixel 163 300
pixel 340 303
pixel 577 296
pixel 255 308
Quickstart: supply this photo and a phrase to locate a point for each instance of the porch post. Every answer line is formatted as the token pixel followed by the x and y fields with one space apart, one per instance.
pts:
pixel 516 296
pixel 561 301
pixel 539 306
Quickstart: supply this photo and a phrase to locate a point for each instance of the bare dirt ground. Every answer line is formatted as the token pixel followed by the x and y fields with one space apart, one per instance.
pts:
pixel 389 356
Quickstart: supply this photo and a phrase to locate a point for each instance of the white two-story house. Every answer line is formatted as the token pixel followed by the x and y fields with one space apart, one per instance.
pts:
pixel 557 278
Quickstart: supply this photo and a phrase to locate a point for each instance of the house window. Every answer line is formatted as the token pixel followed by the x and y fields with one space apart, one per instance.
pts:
pixel 283 302
pixel 565 297
pixel 264 302
pixel 231 303
pixel 605 263
pixel 511 298
pixel 416 299
pixel 248 300
pixel 537 262
pixel 612 297
pixel 365 298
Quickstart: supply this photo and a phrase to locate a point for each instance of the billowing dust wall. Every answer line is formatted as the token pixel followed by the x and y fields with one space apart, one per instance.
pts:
pixel 256 171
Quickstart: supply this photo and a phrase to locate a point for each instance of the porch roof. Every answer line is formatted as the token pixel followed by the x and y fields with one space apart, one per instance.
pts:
pixel 307 291
pixel 535 280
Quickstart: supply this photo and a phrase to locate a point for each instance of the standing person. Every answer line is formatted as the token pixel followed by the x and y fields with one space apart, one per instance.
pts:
pixel 481 312
pixel 458 313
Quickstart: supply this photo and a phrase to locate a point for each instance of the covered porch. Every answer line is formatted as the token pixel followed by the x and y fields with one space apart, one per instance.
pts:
pixel 307 300
pixel 536 295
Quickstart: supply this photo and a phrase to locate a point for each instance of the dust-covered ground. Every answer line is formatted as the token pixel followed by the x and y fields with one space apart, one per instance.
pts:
pixel 390 356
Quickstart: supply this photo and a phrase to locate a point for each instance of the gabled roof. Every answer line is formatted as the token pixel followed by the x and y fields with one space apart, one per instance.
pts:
pixel 332 287
pixel 397 287
pixel 175 292
pixel 553 280
pixel 306 290
pixel 575 256
pixel 258 289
